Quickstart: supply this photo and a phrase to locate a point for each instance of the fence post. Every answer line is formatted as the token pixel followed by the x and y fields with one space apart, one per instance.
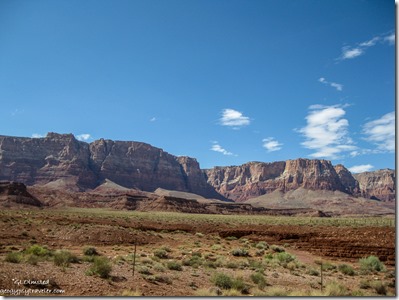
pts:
pixel 134 256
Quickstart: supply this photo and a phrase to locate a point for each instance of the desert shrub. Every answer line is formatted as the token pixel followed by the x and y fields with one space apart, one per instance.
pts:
pixel 90 251
pixel 196 254
pixel 239 285
pixel 284 257
pixel 101 266
pixel 379 287
pixel 38 250
pixel 327 266
pixel 240 252
pixel 160 253
pixel 260 252
pixel 222 281
pixel 32 259
pixel 335 289
pixel 144 270
pixel 167 249
pixel 159 267
pixel 199 234
pixel 371 263
pixel 159 278
pixel 364 284
pixel 276 248
pixel 258 279
pixel 346 269
pixel 262 245
pixel 63 258
pixel 194 261
pixel 216 247
pixel 13 257
pixel 231 238
pixel 232 265
pixel 174 265
pixel 147 261
pixel 313 272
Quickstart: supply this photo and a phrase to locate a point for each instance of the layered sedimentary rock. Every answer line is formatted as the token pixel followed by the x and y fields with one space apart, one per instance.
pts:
pixel 16 193
pixel 377 185
pixel 256 178
pixel 63 159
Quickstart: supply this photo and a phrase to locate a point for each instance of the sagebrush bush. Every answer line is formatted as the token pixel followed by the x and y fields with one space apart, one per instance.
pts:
pixel 161 253
pixel 284 257
pixel 379 287
pixel 174 265
pixel 371 263
pixel 38 250
pixel 101 266
pixel 258 279
pixel 63 258
pixel 90 251
pixel 335 289
pixel 276 248
pixel 240 252
pixel 144 270
pixel 262 245
pixel 13 257
pixel 222 281
pixel 346 269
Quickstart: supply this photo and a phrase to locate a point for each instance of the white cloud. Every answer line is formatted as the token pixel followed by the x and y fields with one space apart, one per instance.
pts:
pixel 390 39
pixel 217 148
pixel 370 43
pixel 381 132
pixel 326 132
pixel 360 49
pixel 37 136
pixel 361 168
pixel 351 53
pixel 83 137
pixel 233 118
pixel 335 85
pixel 153 119
pixel 271 144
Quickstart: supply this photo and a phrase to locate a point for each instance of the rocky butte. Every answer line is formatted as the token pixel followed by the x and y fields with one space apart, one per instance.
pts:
pixel 61 161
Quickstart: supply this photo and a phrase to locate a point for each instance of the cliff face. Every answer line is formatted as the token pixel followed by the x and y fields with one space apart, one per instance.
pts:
pixel 377 185
pixel 46 159
pixel 61 160
pixel 130 164
pixel 254 179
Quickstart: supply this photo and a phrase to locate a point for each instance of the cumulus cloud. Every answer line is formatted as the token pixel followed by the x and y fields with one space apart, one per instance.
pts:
pixel 360 49
pixel 381 132
pixel 335 85
pixel 83 137
pixel 326 132
pixel 153 119
pixel 271 144
pixel 37 136
pixel 217 148
pixel 361 168
pixel 233 118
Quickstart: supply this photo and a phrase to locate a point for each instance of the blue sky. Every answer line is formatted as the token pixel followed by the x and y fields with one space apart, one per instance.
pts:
pixel 224 81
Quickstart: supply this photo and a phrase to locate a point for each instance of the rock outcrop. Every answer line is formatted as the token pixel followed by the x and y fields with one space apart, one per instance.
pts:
pixel 15 193
pixel 256 178
pixel 378 185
